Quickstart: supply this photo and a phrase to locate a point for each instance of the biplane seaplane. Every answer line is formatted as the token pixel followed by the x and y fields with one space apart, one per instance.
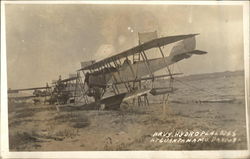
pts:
pixel 130 75
pixel 61 91
pixel 38 92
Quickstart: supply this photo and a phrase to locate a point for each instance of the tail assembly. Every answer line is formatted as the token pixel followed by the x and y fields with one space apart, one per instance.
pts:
pixel 184 49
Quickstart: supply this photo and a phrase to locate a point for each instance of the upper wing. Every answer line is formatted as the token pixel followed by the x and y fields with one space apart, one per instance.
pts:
pixel 145 46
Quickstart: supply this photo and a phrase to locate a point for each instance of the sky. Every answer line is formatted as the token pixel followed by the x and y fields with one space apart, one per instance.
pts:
pixel 48 40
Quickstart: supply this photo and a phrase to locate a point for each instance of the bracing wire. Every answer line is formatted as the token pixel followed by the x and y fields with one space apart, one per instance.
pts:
pixel 187 84
pixel 200 89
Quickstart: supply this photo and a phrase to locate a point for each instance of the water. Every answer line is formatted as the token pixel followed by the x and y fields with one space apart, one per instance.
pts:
pixel 217 86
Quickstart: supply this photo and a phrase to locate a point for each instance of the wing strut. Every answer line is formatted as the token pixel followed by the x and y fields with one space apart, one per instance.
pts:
pixel 145 59
pixel 114 78
pixel 166 63
pixel 116 65
pixel 133 72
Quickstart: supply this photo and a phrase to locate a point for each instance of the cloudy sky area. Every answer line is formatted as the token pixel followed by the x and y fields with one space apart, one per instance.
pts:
pixel 45 41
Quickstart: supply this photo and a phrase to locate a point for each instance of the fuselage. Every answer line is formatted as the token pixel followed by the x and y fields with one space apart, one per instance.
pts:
pixel 128 72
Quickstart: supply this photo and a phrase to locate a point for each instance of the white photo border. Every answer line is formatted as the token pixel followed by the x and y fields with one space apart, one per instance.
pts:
pixel 5 153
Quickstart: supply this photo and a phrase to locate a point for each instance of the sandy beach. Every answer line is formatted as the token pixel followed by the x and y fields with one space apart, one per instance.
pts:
pixel 193 124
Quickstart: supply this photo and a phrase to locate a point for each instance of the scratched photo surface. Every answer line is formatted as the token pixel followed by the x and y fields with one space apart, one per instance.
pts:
pixel 191 99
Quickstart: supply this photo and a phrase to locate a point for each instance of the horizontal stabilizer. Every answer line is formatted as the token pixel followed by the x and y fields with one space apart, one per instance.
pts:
pixel 185 55
pixel 198 52
pixel 179 57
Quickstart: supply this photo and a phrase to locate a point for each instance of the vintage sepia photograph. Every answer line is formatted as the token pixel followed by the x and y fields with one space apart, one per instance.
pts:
pixel 126 77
